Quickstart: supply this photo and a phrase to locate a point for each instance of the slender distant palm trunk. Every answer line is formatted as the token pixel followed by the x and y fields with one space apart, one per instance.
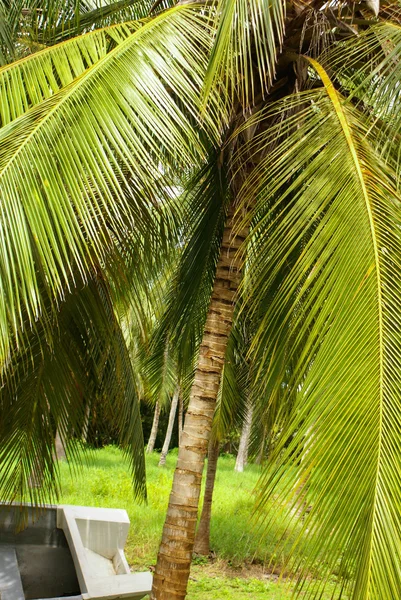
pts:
pixel 169 432
pixel 180 418
pixel 35 479
pixel 85 429
pixel 261 454
pixel 242 456
pixel 155 425
pixel 59 446
pixel 175 553
pixel 202 540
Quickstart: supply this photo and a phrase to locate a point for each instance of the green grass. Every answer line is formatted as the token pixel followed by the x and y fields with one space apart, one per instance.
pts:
pixel 235 588
pixel 221 588
pixel 242 552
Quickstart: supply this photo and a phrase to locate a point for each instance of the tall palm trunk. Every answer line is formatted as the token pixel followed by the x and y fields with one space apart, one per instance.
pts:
pixel 175 553
pixel 171 419
pixel 202 540
pixel 242 456
pixel 155 425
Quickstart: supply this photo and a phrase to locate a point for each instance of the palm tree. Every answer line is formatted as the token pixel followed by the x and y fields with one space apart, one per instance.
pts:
pixel 153 433
pixel 170 426
pixel 243 448
pixel 282 123
pixel 301 134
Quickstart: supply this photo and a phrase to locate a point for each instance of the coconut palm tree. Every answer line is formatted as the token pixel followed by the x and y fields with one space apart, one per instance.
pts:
pixel 281 121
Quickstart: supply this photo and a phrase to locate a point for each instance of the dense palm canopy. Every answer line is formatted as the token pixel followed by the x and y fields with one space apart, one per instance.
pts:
pixel 284 116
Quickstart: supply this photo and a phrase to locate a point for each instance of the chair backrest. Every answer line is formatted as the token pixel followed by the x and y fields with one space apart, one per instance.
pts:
pixel 96 537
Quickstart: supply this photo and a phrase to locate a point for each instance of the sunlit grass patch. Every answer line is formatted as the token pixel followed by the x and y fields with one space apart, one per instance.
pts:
pixel 243 552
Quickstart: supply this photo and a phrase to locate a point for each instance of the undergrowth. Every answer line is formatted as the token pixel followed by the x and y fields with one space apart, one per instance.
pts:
pixel 242 552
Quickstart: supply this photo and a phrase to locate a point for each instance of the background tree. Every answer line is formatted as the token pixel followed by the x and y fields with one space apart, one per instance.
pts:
pixel 155 424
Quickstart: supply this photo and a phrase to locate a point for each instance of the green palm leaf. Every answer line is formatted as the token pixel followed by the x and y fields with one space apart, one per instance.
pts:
pixel 204 215
pixel 188 292
pixel 29 81
pixel 371 73
pixel 327 194
pixel 51 387
pixel 106 14
pixel 160 370
pixel 6 40
pixel 246 31
pixel 65 198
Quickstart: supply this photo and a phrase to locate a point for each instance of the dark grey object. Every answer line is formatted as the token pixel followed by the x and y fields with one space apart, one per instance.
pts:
pixel 35 562
pixel 10 579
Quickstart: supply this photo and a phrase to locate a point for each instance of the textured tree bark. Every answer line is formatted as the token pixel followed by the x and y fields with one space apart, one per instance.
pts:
pixel 170 426
pixel 242 456
pixel 180 418
pixel 175 553
pixel 152 439
pixel 202 539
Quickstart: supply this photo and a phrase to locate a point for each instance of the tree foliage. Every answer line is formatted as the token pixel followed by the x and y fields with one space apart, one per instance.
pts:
pixel 290 111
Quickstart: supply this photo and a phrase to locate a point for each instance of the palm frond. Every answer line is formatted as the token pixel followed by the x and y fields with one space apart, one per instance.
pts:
pixel 160 370
pixel 327 194
pixel 78 167
pixel 50 388
pixel 105 14
pixel 205 208
pixel 6 38
pixel 369 67
pixel 247 31
pixel 30 80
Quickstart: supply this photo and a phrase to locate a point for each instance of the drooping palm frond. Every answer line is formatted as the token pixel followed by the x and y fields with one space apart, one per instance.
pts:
pixel 67 196
pixel 143 304
pixel 29 81
pixel 160 370
pixel 103 14
pixel 30 25
pixel 26 16
pixel 247 32
pixel 234 386
pixel 371 71
pixel 51 388
pixel 205 209
pixel 174 344
pixel 325 190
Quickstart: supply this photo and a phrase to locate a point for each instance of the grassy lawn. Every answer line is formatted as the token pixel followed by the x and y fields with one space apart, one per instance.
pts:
pixel 240 569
